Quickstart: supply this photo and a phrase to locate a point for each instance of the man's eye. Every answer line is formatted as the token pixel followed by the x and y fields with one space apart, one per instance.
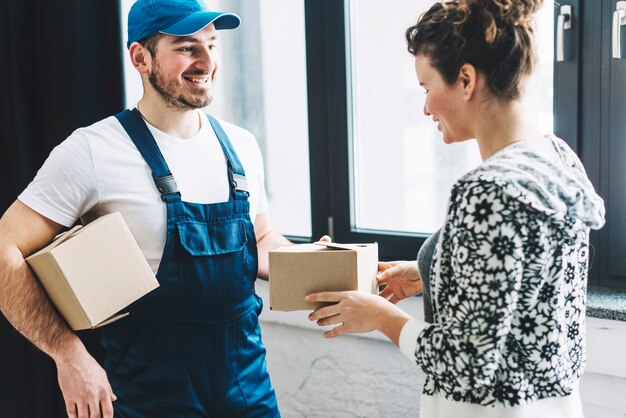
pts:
pixel 186 49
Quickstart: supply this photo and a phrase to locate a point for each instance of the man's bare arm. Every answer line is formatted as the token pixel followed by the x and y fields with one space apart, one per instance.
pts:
pixel 22 300
pixel 267 240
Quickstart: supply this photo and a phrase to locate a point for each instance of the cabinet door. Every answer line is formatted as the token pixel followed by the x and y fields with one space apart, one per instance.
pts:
pixel 568 25
pixel 614 153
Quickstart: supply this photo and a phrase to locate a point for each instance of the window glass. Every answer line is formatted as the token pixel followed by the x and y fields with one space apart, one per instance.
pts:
pixel 402 172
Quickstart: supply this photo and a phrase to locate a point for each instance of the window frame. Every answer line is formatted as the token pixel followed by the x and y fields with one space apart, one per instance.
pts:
pixel 580 92
pixel 330 137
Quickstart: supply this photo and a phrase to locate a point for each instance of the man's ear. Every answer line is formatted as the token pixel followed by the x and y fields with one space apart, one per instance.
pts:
pixel 468 80
pixel 140 57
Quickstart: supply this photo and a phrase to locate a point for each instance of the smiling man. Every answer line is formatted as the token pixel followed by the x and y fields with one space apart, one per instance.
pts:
pixel 191 189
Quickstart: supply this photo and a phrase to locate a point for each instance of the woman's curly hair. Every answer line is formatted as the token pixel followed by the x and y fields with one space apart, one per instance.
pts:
pixel 495 36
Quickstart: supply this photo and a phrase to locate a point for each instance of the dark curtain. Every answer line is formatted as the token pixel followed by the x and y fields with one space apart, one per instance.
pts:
pixel 60 69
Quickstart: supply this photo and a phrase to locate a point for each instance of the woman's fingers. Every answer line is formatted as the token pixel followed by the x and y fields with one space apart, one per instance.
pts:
pixel 325 312
pixel 325 297
pixel 336 332
pixel 331 320
pixel 394 299
pixel 398 291
pixel 384 265
pixel 389 273
pixel 386 292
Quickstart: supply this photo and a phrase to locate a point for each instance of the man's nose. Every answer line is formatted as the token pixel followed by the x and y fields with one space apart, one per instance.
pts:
pixel 206 59
pixel 426 112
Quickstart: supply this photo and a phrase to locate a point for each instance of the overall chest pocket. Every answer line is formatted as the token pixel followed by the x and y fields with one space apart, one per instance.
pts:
pixel 213 269
pixel 201 239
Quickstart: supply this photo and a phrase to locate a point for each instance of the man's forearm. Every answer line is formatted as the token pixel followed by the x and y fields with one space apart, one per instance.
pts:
pixel 26 306
pixel 266 244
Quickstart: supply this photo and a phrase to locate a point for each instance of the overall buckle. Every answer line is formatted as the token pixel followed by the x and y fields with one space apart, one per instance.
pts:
pixel 166 185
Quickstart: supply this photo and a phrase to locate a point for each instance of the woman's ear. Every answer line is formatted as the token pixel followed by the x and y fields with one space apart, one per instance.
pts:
pixel 468 80
pixel 140 57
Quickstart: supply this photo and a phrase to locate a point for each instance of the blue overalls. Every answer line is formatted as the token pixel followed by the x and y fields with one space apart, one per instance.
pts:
pixel 192 348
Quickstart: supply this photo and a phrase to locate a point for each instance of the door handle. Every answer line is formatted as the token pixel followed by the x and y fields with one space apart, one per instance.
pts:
pixel 563 23
pixel 619 20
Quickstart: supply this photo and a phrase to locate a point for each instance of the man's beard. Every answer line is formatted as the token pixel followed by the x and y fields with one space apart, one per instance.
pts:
pixel 167 91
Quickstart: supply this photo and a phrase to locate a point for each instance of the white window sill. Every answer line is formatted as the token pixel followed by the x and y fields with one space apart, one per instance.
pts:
pixel 606 339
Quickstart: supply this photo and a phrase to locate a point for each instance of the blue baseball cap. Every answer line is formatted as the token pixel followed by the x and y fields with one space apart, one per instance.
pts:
pixel 174 17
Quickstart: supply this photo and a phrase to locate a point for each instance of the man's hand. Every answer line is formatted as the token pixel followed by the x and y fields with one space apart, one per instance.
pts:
pixel 85 386
pixel 402 279
pixel 84 383
pixel 325 238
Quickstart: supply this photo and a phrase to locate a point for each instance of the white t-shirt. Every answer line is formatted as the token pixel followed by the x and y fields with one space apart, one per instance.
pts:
pixel 98 170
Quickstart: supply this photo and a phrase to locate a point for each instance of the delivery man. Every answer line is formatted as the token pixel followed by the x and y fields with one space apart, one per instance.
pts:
pixel 190 188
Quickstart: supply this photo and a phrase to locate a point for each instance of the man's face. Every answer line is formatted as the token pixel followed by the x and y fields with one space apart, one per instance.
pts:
pixel 184 69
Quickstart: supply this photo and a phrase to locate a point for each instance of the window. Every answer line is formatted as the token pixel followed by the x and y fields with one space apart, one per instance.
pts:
pixel 401 170
pixel 329 90
pixel 387 177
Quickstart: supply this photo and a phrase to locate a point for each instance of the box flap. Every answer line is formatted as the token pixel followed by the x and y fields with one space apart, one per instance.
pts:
pixel 110 320
pixel 59 239
pixel 300 248
pixel 335 245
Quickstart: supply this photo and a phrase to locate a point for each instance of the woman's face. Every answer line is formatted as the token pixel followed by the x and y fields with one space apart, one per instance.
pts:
pixel 445 103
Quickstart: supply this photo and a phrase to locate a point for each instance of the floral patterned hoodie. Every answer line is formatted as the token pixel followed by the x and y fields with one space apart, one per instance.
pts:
pixel 509 279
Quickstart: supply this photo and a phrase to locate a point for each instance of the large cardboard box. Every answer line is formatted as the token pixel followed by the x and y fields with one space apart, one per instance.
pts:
pixel 90 273
pixel 296 271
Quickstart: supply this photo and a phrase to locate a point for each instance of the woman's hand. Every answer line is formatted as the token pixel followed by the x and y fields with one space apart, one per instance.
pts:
pixel 402 279
pixel 358 312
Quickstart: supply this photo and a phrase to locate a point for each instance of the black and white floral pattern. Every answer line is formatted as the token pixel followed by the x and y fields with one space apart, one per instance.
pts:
pixel 509 279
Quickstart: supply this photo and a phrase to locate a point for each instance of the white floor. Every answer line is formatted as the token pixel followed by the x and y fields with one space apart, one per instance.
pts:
pixel 368 377
pixel 603 396
pixel 353 377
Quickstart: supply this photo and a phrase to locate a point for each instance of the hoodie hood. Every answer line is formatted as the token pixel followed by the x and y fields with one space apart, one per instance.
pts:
pixel 547 175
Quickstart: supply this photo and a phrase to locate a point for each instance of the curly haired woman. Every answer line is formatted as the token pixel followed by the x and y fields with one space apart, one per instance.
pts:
pixel 509 270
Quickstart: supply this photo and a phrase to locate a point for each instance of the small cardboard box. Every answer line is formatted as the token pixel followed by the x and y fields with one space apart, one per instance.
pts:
pixel 90 273
pixel 296 271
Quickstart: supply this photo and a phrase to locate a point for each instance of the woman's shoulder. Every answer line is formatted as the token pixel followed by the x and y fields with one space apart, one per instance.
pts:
pixel 542 175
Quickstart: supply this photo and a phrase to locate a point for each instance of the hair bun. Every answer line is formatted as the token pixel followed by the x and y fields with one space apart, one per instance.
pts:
pixel 495 36
pixel 514 12
pixel 496 14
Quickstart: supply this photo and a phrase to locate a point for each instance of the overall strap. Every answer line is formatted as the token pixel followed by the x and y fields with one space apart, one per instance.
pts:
pixel 236 174
pixel 141 136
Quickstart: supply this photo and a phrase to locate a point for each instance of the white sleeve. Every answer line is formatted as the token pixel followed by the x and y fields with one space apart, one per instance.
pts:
pixel 65 187
pixel 263 204
pixel 259 166
pixel 408 337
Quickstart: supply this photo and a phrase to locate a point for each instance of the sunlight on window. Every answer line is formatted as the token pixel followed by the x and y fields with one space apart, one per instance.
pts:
pixel 402 172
